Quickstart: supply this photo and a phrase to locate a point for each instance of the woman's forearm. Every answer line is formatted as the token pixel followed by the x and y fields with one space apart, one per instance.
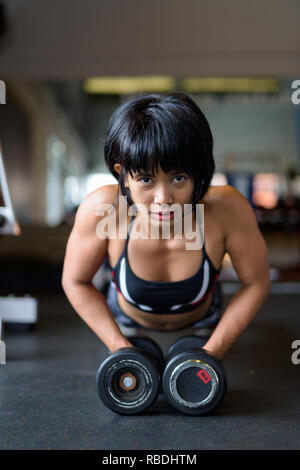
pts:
pixel 91 306
pixel 239 313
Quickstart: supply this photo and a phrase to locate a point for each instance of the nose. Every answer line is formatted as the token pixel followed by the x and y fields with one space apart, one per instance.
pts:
pixel 163 195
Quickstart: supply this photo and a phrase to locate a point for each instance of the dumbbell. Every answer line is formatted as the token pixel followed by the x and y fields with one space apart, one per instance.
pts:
pixel 194 382
pixel 129 380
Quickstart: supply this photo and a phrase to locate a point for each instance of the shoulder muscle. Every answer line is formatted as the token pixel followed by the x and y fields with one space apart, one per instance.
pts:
pixel 244 241
pixel 85 251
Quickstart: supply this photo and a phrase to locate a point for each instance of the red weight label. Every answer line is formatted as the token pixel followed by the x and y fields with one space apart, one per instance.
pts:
pixel 204 376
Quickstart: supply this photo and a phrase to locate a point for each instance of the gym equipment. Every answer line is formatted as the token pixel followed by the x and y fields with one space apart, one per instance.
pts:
pixel 8 221
pixel 19 312
pixel 128 381
pixel 185 343
pixel 194 382
pixel 16 312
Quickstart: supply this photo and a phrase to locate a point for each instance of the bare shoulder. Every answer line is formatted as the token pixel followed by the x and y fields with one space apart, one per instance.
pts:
pixel 95 204
pixel 226 198
pixel 86 250
pixel 104 195
pixel 230 207
pixel 244 241
pixel 222 195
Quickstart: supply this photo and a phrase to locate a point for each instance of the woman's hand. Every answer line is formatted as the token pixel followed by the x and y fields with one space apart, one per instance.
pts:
pixel 121 343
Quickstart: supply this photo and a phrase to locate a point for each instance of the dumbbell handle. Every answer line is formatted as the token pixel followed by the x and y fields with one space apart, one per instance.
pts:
pixel 138 349
pixel 207 353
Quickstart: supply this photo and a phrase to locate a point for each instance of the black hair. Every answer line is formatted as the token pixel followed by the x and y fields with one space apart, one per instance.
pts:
pixel 149 130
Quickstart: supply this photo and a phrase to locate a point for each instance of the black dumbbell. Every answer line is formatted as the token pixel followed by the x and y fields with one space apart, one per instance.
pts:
pixel 194 382
pixel 128 381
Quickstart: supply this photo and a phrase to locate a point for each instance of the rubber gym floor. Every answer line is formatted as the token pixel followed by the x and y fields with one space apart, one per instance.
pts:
pixel 48 398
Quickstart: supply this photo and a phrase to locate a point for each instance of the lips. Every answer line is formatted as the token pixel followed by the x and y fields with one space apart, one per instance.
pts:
pixel 164 215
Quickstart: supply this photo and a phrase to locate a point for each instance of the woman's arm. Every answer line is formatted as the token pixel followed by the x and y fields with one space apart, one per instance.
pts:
pixel 248 252
pixel 85 253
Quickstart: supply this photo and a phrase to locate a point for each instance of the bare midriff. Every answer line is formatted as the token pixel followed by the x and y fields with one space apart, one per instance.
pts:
pixel 164 321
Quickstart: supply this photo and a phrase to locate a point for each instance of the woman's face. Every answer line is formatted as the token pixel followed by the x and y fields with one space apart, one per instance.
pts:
pixel 159 191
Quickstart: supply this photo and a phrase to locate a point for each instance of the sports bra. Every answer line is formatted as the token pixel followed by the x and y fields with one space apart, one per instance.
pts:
pixel 164 297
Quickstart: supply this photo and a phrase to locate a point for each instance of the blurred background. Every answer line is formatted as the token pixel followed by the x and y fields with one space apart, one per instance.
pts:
pixel 66 66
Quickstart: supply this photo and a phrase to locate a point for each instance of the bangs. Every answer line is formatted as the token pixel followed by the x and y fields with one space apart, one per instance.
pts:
pixel 151 131
pixel 151 143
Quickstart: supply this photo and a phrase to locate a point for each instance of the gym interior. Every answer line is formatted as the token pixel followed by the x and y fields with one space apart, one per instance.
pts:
pixel 63 72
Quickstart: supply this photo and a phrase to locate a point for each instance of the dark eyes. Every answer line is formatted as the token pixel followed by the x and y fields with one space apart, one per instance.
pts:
pixel 144 178
pixel 148 180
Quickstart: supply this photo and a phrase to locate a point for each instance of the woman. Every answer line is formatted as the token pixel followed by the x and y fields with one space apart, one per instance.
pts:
pixel 159 148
